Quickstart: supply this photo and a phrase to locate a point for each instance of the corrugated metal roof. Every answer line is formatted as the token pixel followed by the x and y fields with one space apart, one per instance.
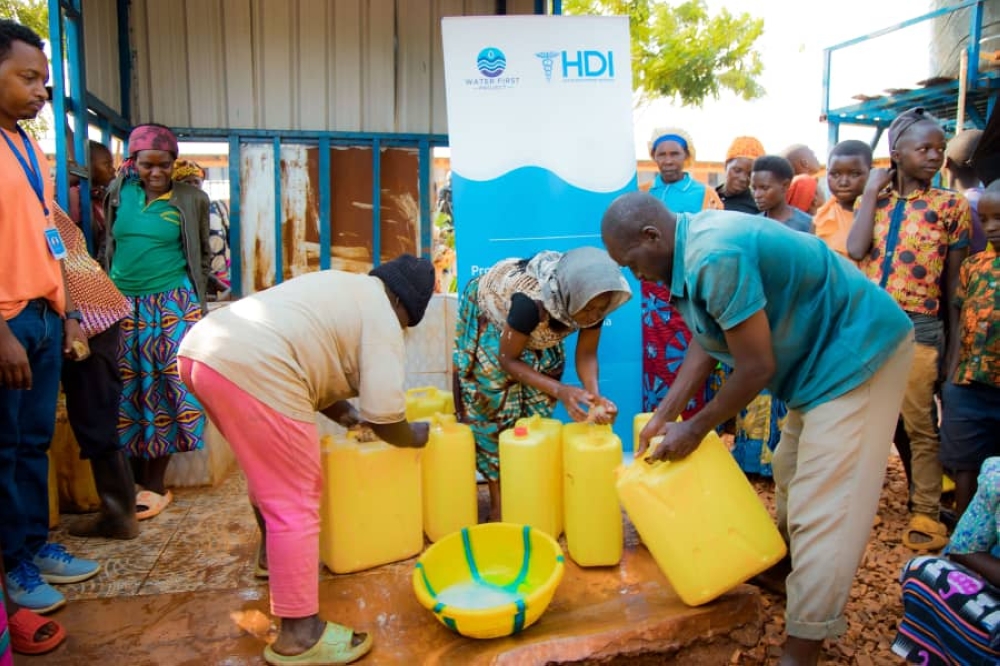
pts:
pixel 349 65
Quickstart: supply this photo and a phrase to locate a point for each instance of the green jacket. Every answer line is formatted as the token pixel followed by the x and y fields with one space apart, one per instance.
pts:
pixel 193 206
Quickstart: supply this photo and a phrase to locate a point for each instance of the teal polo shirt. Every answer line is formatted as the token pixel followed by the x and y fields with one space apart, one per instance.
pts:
pixel 831 328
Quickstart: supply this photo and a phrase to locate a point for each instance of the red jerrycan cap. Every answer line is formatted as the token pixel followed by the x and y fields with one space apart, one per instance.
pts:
pixel 520 431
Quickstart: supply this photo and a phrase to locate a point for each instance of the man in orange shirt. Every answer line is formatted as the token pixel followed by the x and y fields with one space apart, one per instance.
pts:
pixel 38 325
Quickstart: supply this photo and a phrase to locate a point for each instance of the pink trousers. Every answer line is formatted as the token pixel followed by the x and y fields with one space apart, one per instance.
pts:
pixel 281 459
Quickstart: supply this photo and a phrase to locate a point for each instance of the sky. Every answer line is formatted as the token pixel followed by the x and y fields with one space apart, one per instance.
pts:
pixel 795 34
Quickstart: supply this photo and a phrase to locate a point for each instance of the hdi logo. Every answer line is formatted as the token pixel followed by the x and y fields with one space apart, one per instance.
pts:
pixel 579 65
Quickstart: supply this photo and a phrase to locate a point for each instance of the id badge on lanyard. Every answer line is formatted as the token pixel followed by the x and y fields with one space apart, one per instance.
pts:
pixel 34 175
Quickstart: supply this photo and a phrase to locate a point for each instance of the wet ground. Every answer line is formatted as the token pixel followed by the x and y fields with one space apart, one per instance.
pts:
pixel 183 593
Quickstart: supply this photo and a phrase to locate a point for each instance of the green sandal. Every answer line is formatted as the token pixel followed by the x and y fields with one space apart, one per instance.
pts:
pixel 333 648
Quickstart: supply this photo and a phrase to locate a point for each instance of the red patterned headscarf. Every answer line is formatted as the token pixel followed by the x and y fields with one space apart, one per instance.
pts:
pixel 152 137
pixel 147 137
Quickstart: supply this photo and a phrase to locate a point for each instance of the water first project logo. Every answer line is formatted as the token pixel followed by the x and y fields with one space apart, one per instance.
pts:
pixel 492 63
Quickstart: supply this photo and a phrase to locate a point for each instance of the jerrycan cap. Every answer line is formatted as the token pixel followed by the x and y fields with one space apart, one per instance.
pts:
pixel 520 431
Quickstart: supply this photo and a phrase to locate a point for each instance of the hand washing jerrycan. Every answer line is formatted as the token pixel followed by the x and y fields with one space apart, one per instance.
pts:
pixel 449 478
pixel 702 521
pixel 638 423
pixel 371 508
pixel 552 430
pixel 423 403
pixel 528 492
pixel 592 455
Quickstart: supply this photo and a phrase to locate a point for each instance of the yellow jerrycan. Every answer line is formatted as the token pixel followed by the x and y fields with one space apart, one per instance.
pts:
pixel 638 423
pixel 448 468
pixel 528 491
pixel 702 521
pixel 425 402
pixel 371 507
pixel 592 455
pixel 552 430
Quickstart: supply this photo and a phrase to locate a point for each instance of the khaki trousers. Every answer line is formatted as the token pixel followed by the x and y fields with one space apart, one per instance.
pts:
pixel 918 419
pixel 828 473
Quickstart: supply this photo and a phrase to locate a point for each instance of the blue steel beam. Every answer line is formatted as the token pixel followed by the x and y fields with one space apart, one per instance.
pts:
pixel 386 138
pixel 975 33
pixel 59 99
pixel 279 237
pixel 376 202
pixel 124 60
pixel 904 24
pixel 325 217
pixel 235 244
pixel 117 121
pixel 77 87
pixel 424 183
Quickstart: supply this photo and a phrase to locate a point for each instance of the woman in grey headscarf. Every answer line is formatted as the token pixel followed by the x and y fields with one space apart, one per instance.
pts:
pixel 509 353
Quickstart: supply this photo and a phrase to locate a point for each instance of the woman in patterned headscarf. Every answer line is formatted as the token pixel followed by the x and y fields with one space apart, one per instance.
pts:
pixel 509 354
pixel 157 254
pixel 190 172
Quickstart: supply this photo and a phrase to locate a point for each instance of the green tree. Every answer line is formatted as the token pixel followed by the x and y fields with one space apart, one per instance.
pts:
pixel 682 52
pixel 35 15
pixel 32 13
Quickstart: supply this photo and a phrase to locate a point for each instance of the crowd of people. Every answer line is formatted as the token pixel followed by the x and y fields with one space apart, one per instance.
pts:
pixel 818 320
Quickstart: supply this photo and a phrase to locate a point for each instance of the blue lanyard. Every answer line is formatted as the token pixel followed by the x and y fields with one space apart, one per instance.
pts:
pixel 32 172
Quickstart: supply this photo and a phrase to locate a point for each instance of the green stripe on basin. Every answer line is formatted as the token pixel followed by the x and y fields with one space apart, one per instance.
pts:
pixel 520 616
pixel 525 561
pixel 427 583
pixel 470 559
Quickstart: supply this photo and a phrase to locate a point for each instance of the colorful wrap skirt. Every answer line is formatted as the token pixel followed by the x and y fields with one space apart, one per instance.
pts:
pixel 950 615
pixel 491 399
pixel 158 415
pixel 665 339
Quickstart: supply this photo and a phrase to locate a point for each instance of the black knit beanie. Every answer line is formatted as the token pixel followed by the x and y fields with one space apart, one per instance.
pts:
pixel 411 280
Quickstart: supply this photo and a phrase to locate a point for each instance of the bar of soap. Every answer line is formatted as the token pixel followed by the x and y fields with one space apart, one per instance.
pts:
pixel 80 350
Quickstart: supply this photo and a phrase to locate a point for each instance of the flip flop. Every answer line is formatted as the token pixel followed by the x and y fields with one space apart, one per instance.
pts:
pixel 24 624
pixel 154 504
pixel 927 526
pixel 332 649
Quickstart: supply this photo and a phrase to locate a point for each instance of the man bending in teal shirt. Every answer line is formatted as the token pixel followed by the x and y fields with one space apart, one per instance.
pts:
pixel 791 316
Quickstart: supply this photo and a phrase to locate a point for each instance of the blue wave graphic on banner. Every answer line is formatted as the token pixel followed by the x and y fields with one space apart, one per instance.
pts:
pixel 531 209
pixel 491 62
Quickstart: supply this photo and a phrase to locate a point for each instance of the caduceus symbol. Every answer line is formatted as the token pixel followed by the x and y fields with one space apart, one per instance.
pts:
pixel 548 61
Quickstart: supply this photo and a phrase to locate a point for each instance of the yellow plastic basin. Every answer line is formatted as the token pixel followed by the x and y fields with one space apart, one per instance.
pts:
pixel 489 580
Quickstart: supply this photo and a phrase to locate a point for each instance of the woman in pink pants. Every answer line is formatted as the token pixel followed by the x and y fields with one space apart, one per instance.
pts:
pixel 262 367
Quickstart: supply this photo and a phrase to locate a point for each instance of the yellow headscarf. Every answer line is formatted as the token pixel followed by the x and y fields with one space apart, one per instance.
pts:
pixel 187 168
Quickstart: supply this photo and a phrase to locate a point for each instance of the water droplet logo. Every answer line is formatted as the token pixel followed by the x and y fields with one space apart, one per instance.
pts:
pixel 491 62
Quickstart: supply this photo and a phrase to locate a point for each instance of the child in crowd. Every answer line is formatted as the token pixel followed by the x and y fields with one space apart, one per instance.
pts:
pixel 951 605
pixel 102 172
pixel 970 427
pixel 847 171
pixel 769 182
pixel 958 163
pixel 805 194
pixel 911 238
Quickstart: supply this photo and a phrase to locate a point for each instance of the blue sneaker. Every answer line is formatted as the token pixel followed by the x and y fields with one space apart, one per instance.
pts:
pixel 26 588
pixel 58 566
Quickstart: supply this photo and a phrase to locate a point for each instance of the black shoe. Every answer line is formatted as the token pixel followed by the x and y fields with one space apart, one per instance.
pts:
pixel 116 488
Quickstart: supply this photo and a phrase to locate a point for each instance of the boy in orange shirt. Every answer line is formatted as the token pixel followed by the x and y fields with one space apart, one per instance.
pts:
pixel 847 171
pixel 38 325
